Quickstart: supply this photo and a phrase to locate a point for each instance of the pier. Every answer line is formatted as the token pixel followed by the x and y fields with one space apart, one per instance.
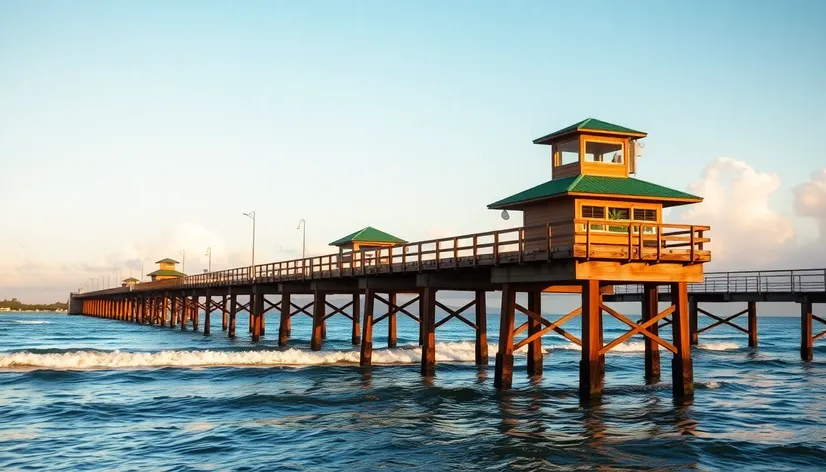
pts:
pixel 591 230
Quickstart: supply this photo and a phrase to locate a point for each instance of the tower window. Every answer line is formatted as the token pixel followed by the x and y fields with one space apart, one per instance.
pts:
pixel 596 151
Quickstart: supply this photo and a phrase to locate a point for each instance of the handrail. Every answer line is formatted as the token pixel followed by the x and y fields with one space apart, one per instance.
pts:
pixel 751 281
pixel 516 245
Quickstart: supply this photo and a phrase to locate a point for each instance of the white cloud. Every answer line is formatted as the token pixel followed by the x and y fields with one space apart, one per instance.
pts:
pixel 810 201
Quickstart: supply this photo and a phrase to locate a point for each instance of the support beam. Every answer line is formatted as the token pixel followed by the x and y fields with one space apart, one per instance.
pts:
pixel 319 307
pixel 752 307
pixel 207 310
pixel 366 357
pixel 391 319
pixel 503 374
pixel 682 368
pixel 590 374
pixel 693 320
pixel 356 310
pixel 233 312
pixel 806 340
pixel 283 324
pixel 224 314
pixel 256 312
pixel 481 329
pixel 650 309
pixel 534 327
pixel 428 321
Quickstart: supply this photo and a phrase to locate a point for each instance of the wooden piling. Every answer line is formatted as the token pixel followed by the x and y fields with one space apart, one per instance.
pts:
pixel 534 327
pixel 356 311
pixel 421 320
pixel 256 312
pixel 503 374
pixel 693 320
pixel 286 310
pixel 682 368
pixel 806 341
pixel 233 313
pixel 429 322
pixel 366 357
pixel 392 335
pixel 752 314
pixel 207 310
pixel 481 329
pixel 224 313
pixel 184 311
pixel 590 373
pixel 650 309
pixel 319 310
pixel 173 311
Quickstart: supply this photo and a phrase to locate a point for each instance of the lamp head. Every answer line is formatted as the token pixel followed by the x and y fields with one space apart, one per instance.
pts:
pixel 505 215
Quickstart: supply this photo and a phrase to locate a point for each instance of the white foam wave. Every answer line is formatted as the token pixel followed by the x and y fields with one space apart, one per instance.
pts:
pixel 30 322
pixel 718 346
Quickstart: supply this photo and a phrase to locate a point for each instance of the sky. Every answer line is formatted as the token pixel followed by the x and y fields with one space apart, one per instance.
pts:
pixel 132 131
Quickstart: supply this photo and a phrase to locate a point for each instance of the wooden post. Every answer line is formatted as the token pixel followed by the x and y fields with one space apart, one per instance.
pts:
pixel 173 311
pixel 752 307
pixel 421 319
pixel 233 312
pixel 262 316
pixel 692 318
pixel 284 321
pixel 356 311
pixel 428 318
pixel 207 310
pixel 184 310
pixel 256 308
pixel 481 329
pixel 366 357
pixel 391 320
pixel 534 326
pixel 590 374
pixel 196 312
pixel 224 314
pixel 503 376
pixel 682 368
pixel 806 341
pixel 319 310
pixel 650 309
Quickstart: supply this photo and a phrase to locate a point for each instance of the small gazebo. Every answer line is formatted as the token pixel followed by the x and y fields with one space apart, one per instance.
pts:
pixel 166 270
pixel 130 282
pixel 365 239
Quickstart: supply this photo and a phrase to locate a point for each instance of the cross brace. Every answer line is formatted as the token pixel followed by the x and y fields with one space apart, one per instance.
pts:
pixel 722 321
pixel 457 314
pixel 549 326
pixel 637 328
pixel 391 308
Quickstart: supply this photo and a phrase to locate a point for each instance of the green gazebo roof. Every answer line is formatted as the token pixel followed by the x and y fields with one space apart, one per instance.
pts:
pixel 368 234
pixel 593 184
pixel 590 124
pixel 167 272
pixel 167 261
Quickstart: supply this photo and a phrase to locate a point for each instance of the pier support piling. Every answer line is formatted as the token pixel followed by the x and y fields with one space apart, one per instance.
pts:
pixel 752 324
pixel 207 311
pixel 256 311
pixel 503 374
pixel 590 371
pixel 319 310
pixel 391 320
pixel 356 312
pixel 481 329
pixel 284 320
pixel 428 320
pixel 224 314
pixel 233 314
pixel 682 368
pixel 693 316
pixel 806 340
pixel 650 309
pixel 534 328
pixel 366 357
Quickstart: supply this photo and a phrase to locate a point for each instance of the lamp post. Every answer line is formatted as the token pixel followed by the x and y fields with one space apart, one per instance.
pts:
pixel 252 216
pixel 303 238
pixel 209 253
pixel 182 252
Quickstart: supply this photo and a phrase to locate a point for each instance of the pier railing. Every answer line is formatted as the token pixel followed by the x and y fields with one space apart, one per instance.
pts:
pixel 581 238
pixel 762 281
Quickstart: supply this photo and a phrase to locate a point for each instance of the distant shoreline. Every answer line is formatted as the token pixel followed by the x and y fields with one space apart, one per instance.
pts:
pixel 10 312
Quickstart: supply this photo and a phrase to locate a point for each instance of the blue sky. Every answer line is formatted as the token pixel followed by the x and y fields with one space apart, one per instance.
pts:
pixel 132 130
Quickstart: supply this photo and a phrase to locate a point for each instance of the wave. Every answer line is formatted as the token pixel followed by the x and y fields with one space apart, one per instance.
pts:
pixel 30 322
pixel 718 346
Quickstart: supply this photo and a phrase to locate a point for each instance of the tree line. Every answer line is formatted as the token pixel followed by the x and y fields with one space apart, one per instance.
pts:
pixel 15 305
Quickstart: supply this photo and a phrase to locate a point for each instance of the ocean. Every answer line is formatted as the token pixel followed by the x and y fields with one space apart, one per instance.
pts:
pixel 80 393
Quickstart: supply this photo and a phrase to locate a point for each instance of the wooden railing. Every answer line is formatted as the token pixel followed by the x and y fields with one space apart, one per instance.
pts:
pixel 510 246
pixel 764 281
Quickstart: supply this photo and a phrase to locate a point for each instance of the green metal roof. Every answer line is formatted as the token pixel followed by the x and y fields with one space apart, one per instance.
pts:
pixel 589 124
pixel 593 184
pixel 167 261
pixel 368 234
pixel 166 272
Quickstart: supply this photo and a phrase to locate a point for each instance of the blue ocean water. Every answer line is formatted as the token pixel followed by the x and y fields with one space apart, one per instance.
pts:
pixel 80 393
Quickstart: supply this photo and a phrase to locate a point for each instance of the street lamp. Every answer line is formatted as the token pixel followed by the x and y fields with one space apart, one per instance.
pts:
pixel 252 216
pixel 182 252
pixel 209 253
pixel 303 238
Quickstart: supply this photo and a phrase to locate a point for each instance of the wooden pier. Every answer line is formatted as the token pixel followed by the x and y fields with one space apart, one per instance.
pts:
pixel 589 230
